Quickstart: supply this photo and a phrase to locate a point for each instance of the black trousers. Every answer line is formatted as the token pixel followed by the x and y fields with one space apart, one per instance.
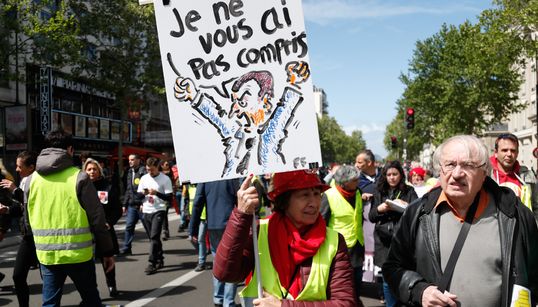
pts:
pixel 154 223
pixel 26 257
pixel 110 276
pixel 165 221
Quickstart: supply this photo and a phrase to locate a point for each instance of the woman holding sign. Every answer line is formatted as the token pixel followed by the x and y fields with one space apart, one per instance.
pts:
pixel 390 200
pixel 300 258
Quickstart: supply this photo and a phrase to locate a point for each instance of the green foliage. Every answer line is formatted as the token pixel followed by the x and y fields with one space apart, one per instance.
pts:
pixel 461 80
pixel 336 145
pixel 40 32
pixel 110 45
pixel 120 49
pixel 520 18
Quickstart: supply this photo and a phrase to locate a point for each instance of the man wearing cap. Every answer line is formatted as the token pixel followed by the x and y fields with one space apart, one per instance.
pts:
pixel 341 207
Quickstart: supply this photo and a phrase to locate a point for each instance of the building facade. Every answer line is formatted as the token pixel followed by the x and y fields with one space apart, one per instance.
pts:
pixel 523 122
pixel 320 102
pixel 43 99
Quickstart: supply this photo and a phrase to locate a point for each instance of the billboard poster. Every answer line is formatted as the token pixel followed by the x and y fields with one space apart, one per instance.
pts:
pixel 16 128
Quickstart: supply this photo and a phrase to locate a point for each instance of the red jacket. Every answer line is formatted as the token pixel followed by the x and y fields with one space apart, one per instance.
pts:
pixel 234 262
pixel 501 177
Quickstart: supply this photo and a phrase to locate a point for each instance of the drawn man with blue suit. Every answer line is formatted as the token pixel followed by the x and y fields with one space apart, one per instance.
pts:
pixel 251 121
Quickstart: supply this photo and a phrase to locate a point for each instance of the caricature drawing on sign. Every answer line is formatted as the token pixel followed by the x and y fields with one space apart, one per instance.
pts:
pixel 254 124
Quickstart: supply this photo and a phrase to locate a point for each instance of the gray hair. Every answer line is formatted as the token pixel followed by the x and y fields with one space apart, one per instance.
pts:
pixel 475 149
pixel 345 173
pixel 368 155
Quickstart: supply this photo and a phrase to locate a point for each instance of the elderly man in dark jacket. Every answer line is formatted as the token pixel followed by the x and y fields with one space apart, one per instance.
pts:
pixel 497 263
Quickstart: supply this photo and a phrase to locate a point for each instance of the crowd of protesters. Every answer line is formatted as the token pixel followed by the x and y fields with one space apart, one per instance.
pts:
pixel 316 238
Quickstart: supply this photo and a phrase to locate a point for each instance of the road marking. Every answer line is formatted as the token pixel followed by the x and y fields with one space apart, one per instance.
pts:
pixel 8 256
pixel 148 298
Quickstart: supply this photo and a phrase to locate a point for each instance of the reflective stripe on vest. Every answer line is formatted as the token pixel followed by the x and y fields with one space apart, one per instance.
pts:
pixel 59 224
pixel 316 285
pixel 344 219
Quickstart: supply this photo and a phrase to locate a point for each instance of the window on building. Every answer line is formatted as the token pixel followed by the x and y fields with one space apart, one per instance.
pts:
pixel 91 52
pixel 56 103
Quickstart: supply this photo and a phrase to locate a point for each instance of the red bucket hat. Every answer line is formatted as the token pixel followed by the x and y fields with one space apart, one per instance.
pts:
pixel 419 171
pixel 295 180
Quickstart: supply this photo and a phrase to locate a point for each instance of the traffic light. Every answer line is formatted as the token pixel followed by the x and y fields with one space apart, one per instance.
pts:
pixel 410 118
pixel 393 141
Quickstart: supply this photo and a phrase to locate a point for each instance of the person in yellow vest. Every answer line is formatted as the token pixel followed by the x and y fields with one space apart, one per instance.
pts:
pixel 341 207
pixel 64 213
pixel 507 171
pixel 201 245
pixel 301 260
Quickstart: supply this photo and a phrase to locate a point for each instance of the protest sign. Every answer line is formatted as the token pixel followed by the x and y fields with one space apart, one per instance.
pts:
pixel 238 86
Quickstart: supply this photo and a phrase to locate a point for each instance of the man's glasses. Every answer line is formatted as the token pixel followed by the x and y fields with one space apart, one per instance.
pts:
pixel 448 167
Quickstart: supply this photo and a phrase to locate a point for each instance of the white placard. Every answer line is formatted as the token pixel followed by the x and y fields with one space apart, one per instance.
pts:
pixel 238 87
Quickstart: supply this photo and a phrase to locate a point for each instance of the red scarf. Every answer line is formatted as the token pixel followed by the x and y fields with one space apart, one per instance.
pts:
pixel 347 195
pixel 289 249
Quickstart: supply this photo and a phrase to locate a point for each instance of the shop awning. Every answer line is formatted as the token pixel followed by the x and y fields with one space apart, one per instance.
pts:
pixel 129 150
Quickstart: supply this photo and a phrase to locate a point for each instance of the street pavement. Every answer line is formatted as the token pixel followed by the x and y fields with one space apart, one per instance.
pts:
pixel 176 284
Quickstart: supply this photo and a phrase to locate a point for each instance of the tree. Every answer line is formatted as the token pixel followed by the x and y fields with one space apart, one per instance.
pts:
pixel 461 80
pixel 517 18
pixel 336 145
pixel 121 49
pixel 110 45
pixel 120 53
pixel 39 32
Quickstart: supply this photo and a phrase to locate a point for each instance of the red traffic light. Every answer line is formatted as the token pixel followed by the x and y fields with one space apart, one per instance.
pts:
pixel 410 118
pixel 393 141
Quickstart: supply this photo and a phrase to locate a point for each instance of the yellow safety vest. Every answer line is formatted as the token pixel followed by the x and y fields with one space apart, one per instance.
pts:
pixel 316 285
pixel 344 218
pixel 332 183
pixel 59 224
pixel 192 192
pixel 522 190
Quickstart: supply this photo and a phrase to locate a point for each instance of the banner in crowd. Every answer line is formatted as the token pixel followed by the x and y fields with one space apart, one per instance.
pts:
pixel 237 78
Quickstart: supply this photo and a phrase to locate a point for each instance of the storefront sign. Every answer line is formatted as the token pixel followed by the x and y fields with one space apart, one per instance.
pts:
pixel 45 98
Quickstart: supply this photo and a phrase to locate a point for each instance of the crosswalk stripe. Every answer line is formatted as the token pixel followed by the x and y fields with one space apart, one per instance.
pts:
pixel 148 298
